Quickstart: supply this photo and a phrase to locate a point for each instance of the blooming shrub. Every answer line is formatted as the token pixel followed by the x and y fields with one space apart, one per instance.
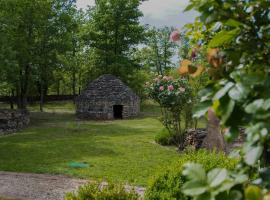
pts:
pixel 175 98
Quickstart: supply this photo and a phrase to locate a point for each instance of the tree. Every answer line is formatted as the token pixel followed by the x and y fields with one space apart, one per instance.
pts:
pixel 159 49
pixel 113 32
pixel 36 32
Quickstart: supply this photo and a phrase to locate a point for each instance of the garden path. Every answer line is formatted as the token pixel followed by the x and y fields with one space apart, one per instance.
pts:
pixel 28 186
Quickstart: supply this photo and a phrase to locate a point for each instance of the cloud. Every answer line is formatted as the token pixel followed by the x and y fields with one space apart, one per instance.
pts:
pixel 84 3
pixel 159 12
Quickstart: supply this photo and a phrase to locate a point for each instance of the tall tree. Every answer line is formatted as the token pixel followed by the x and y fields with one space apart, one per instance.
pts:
pixel 35 31
pixel 113 32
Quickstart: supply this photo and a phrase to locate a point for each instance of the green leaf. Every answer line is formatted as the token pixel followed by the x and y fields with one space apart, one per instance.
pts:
pixel 189 7
pixel 223 91
pixel 266 104
pixel 253 154
pixel 253 193
pixel 216 176
pixel 194 172
pixel 233 23
pixel 223 37
pixel 225 186
pixel 201 109
pixel 253 107
pixel 194 188
pixel 227 111
pixel 238 92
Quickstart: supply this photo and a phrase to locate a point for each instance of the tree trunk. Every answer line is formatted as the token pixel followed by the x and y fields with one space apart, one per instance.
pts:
pixel 214 139
pixel 12 100
pixel 41 102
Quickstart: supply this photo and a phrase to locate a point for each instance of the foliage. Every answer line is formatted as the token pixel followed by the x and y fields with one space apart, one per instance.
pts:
pixel 238 57
pixel 34 34
pixel 158 53
pixel 164 137
pixel 113 32
pixel 175 98
pixel 93 191
pixel 51 47
pixel 168 183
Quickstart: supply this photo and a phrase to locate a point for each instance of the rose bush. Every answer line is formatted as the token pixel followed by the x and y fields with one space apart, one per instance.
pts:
pixel 175 99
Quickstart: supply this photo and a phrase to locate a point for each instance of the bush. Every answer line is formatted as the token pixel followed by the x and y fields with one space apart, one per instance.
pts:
pixel 110 192
pixel 164 137
pixel 167 184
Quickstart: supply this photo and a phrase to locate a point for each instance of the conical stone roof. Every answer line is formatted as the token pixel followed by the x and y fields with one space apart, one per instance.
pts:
pixel 107 88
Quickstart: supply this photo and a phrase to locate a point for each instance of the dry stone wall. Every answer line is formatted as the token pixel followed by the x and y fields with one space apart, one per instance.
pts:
pixel 13 120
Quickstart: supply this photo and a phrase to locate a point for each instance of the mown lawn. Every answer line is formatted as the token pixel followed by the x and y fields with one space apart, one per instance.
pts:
pixel 118 151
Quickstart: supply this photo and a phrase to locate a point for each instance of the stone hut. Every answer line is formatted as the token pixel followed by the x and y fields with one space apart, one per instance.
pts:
pixel 107 98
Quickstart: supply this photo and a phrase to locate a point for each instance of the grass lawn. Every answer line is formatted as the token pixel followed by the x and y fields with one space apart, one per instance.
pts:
pixel 118 151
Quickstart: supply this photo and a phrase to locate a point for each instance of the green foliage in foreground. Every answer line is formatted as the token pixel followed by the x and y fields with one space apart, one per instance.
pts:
pixel 168 183
pixel 117 151
pixel 95 192
pixel 238 94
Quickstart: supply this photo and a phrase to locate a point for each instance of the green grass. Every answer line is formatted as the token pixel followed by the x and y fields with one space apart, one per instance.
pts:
pixel 118 151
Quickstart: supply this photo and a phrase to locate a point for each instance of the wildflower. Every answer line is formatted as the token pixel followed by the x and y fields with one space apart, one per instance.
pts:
pixel 161 88
pixel 170 88
pixel 175 36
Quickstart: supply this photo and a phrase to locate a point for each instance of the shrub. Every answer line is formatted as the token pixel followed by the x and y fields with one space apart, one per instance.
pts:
pixel 94 192
pixel 164 137
pixel 169 181
pixel 175 99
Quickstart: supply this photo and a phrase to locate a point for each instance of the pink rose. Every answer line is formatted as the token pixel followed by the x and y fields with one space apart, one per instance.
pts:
pixel 175 36
pixel 161 88
pixel 182 90
pixel 170 88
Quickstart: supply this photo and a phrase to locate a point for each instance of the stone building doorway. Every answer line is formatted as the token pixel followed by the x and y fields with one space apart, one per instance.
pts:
pixel 118 112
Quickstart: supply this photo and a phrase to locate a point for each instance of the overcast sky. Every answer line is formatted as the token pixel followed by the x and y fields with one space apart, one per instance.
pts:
pixel 159 12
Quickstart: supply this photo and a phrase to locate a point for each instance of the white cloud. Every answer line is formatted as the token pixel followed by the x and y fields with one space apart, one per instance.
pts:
pixel 85 3
pixel 159 12
pixel 159 9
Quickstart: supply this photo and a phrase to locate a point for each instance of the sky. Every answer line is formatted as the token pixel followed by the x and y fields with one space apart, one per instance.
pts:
pixel 159 12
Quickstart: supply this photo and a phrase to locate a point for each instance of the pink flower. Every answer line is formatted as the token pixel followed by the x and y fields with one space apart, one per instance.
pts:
pixel 170 88
pixel 182 90
pixel 175 36
pixel 161 88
